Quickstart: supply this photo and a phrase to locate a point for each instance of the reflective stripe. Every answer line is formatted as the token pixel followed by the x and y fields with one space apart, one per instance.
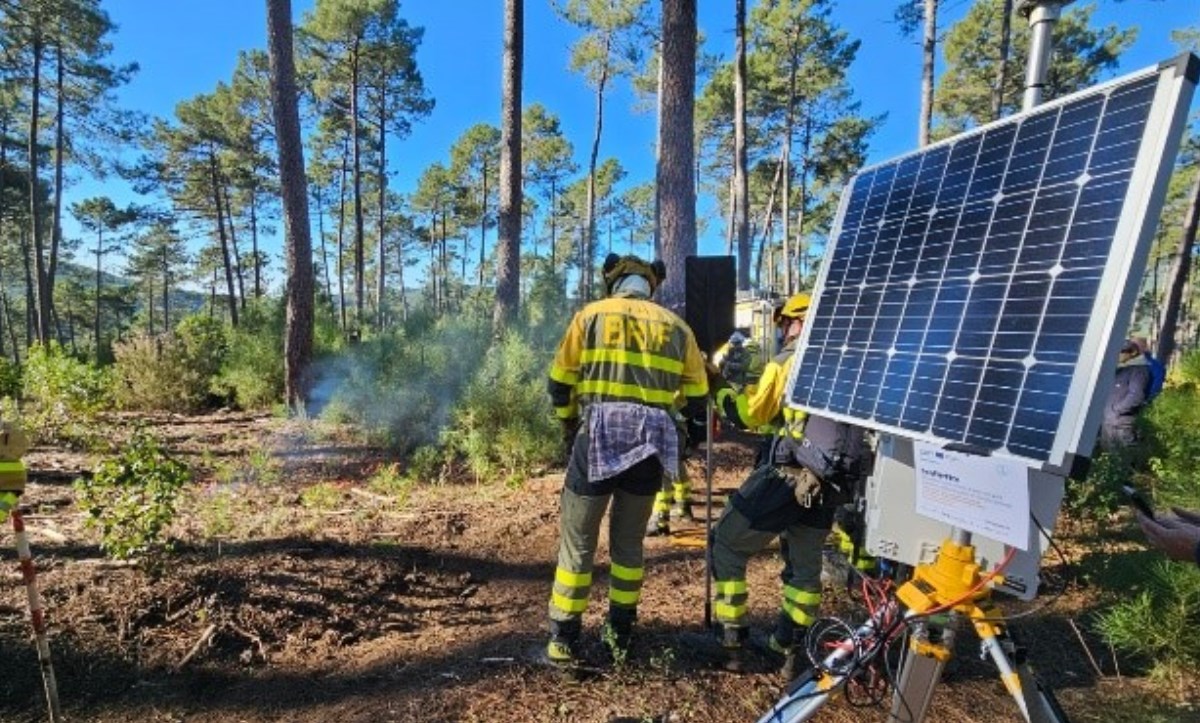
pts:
pixel 730 587
pixel 568 605
pixel 563 376
pixel 629 574
pixel 801 597
pixel 633 358
pixel 566 578
pixel 799 615
pixel 626 391
pixel 727 612
pixel 662 502
pixel 624 597
pixel 699 389
pixel 569 412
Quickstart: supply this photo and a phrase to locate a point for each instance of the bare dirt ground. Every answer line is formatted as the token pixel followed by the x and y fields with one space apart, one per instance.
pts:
pixel 299 591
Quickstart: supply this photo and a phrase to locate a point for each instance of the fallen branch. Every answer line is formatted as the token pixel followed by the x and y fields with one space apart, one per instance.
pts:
pixel 372 496
pixel 204 639
pixel 1086 649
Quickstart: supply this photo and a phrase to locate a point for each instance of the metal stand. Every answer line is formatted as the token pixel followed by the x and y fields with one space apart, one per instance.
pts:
pixel 1042 15
pixel 708 478
pixel 951 584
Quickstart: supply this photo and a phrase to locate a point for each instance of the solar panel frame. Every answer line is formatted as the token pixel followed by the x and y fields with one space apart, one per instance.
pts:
pixel 970 164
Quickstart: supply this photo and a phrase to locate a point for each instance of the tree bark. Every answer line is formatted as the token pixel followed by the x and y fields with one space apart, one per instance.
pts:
pixel 216 191
pixel 589 226
pixel 768 218
pixel 59 148
pixel 359 236
pixel 1181 268
pixel 1002 61
pixel 238 272
pixel 298 334
pixel 381 272
pixel 929 56
pixel 675 187
pixel 741 186
pixel 42 289
pixel 508 225
pixel 341 240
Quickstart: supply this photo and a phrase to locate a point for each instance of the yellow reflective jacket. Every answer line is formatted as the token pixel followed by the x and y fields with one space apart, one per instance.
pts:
pixel 761 407
pixel 626 349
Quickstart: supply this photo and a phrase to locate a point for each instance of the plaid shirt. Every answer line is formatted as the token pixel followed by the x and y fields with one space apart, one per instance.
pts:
pixel 621 434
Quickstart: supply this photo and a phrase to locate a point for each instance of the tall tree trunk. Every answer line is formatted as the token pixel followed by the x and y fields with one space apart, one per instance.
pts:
pixel 553 224
pixel 238 271
pixel 166 291
pixel 59 152
pixel 30 290
pixel 768 219
pixel 483 227
pixel 400 280
pixel 741 186
pixel 254 242
pixel 324 246
pixel 8 324
pixel 341 240
pixel 929 56
pixel 675 186
pixel 359 236
pixel 42 290
pixel 216 191
pixel 381 272
pixel 99 261
pixel 508 225
pixel 1181 268
pixel 150 303
pixel 589 226
pixel 298 334
pixel 806 147
pixel 1002 59
pixel 788 132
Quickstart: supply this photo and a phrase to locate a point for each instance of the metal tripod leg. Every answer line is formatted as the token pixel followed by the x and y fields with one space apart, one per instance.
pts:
pixel 708 479
pixel 920 674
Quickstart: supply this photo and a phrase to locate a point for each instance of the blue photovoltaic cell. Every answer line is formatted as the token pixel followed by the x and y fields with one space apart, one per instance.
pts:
pixel 962 278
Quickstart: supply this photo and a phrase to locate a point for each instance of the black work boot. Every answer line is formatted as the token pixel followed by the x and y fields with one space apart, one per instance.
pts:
pixel 733 642
pixel 564 641
pixel 618 632
pixel 788 642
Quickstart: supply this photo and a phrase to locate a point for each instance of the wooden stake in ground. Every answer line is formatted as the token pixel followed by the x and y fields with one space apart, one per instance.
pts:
pixel 36 616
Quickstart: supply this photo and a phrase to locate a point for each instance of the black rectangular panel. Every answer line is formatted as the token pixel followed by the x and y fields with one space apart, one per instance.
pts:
pixel 711 291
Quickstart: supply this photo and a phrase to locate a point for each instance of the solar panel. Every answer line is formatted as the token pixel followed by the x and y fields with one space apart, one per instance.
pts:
pixel 970 290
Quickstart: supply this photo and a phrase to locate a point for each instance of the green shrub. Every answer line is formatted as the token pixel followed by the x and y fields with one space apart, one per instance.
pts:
pixel 1099 494
pixel 253 372
pixel 132 497
pixel 322 496
pixel 171 372
pixel 1174 443
pixel 388 481
pixel 10 379
pixel 400 387
pixel 61 394
pixel 504 425
pixel 1159 623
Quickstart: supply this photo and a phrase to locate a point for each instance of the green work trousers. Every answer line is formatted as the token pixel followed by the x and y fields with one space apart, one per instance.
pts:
pixel 734 541
pixel 579 532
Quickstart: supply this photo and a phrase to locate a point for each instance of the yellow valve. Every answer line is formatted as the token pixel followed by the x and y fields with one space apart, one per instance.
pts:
pixel 926 649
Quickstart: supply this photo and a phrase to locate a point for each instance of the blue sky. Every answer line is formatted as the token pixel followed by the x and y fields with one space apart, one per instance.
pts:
pixel 185 47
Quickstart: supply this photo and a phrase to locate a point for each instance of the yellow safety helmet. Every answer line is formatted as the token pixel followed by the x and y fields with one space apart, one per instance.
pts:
pixel 794 308
pixel 617 266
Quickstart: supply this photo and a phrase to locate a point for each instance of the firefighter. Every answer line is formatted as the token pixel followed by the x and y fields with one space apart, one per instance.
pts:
pixel 674 497
pixel 806 469
pixel 613 383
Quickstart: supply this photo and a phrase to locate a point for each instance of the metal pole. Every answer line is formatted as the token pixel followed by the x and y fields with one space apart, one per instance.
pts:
pixel 1042 15
pixel 37 617
pixel 708 476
